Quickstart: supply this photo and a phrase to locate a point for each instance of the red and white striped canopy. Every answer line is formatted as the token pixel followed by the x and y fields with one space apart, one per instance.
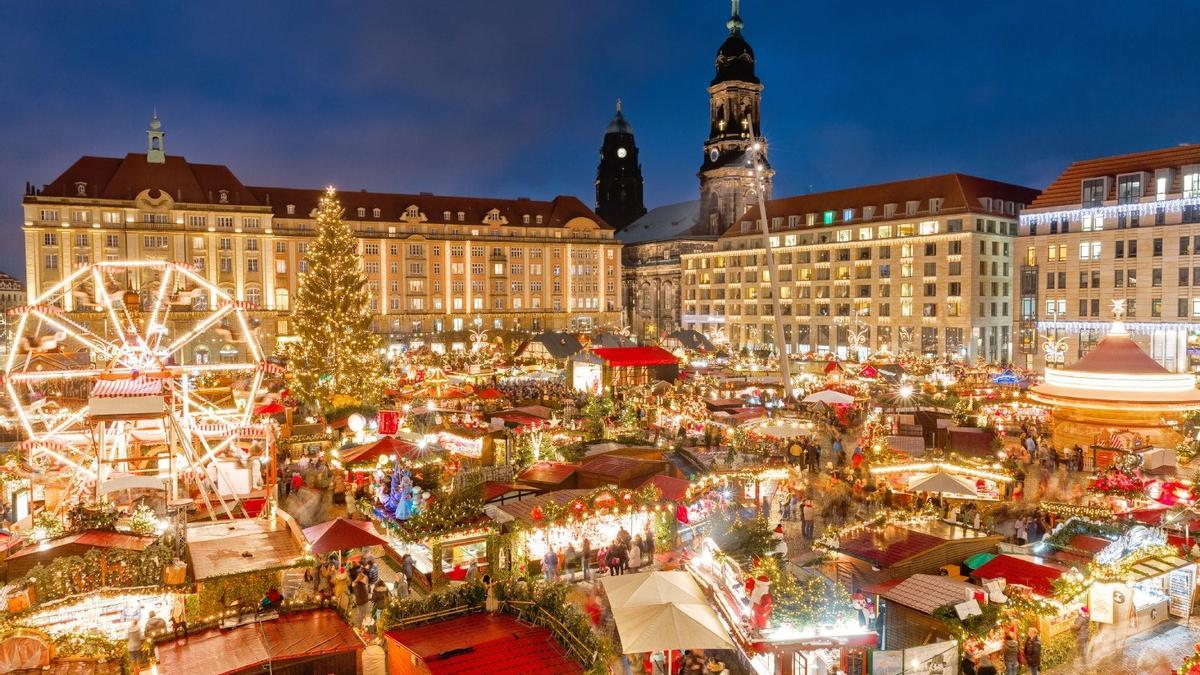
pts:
pixel 136 386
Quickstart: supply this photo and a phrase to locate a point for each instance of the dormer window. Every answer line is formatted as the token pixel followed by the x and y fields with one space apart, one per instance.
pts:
pixel 412 212
pixel 492 216
pixel 810 219
pixel 80 189
pixel 1094 192
pixel 868 212
pixel 889 210
pixel 525 219
pixel 986 203
pixel 291 209
pixel 538 220
pixel 375 212
pixel 793 221
pixel 222 196
pixel 445 216
pixel 847 214
pixel 362 212
pixel 911 206
pixel 935 204
pixel 461 216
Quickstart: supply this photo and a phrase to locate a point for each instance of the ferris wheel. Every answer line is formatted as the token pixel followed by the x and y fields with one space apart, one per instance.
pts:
pixel 109 381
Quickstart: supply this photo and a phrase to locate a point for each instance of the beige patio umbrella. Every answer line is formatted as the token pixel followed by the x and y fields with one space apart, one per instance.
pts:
pixel 652 588
pixel 944 483
pixel 650 628
pixel 829 397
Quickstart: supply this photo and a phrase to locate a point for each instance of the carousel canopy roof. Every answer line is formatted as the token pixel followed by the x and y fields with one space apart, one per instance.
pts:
pixel 1117 371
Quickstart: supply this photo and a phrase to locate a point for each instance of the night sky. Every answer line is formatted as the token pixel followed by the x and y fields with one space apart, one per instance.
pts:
pixel 510 98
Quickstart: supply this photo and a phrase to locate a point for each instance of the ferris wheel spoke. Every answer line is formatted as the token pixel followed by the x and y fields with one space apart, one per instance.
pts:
pixel 196 330
pixel 75 332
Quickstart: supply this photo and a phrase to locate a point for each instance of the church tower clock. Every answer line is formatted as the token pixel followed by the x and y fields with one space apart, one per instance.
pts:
pixel 727 181
pixel 619 176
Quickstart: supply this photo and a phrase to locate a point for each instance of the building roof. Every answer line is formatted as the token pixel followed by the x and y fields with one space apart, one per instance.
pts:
pixel 497 644
pixel 663 223
pixel 692 339
pixel 125 178
pixel 1021 570
pixel 927 592
pixel 196 183
pixel 960 193
pixel 10 283
pixel 627 357
pixel 295 635
pixel 1118 353
pixel 618 124
pixel 735 58
pixel 556 212
pixel 1066 190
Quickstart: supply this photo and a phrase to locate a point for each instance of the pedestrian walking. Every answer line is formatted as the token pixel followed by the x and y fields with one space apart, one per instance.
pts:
pixel 362 599
pixel 585 559
pixel 809 511
pixel 1081 627
pixel 1011 651
pixel 550 565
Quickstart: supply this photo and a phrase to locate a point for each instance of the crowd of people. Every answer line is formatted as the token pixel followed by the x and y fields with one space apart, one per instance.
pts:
pixel 623 555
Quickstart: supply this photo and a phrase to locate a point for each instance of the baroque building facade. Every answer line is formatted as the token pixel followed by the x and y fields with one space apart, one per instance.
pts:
pixel 1120 231
pixel 655 242
pixel 922 265
pixel 437 266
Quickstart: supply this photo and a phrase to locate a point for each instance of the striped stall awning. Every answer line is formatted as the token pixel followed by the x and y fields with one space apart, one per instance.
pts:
pixel 221 430
pixel 127 388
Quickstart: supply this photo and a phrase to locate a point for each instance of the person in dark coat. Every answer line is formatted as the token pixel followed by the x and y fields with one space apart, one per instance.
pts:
pixel 1033 652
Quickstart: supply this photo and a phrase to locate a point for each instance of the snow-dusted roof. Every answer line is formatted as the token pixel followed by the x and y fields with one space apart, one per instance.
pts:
pixel 662 223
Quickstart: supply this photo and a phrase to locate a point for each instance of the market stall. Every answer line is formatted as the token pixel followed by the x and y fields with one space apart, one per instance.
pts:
pixel 952 477
pixel 774 642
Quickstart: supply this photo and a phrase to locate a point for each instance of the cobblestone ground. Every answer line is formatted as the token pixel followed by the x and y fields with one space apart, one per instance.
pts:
pixel 1154 652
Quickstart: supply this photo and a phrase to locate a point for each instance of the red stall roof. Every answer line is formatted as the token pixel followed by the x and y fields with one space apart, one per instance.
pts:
pixel 1022 571
pixel 673 489
pixel 627 357
pixel 548 472
pixel 887 545
pixel 292 636
pixel 496 644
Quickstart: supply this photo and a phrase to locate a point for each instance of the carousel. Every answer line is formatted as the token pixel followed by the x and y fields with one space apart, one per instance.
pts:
pixel 1116 385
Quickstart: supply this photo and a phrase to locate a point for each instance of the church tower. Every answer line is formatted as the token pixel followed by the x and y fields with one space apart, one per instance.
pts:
pixel 727 181
pixel 155 153
pixel 619 176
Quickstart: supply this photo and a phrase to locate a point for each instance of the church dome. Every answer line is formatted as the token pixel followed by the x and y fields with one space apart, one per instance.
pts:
pixel 735 58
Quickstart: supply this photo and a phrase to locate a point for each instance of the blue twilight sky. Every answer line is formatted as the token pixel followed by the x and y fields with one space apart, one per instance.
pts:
pixel 511 97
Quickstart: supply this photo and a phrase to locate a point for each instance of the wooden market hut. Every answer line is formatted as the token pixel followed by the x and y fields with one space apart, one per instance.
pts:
pixel 550 475
pixel 875 554
pixel 498 644
pixel 601 367
pixel 618 470
pixel 908 609
pixel 76 544
pixel 315 641
pixel 549 346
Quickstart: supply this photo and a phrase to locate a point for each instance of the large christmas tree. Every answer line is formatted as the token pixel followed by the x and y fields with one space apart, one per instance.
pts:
pixel 335 359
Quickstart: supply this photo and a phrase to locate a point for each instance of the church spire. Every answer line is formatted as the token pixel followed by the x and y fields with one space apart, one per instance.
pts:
pixel 735 19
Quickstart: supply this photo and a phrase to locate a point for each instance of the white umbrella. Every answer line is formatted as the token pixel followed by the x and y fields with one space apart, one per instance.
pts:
pixel 652 628
pixel 941 482
pixel 652 588
pixel 829 396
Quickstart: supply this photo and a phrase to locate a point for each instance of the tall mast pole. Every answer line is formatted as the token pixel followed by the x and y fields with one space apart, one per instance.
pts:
pixel 756 155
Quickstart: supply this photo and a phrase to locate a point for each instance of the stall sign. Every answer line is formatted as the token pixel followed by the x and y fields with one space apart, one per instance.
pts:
pixel 389 422
pixel 887 662
pixel 1181 586
pixel 467 447
pixel 1101 599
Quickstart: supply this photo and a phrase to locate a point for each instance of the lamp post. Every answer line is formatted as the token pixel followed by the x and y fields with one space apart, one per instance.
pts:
pixel 756 152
